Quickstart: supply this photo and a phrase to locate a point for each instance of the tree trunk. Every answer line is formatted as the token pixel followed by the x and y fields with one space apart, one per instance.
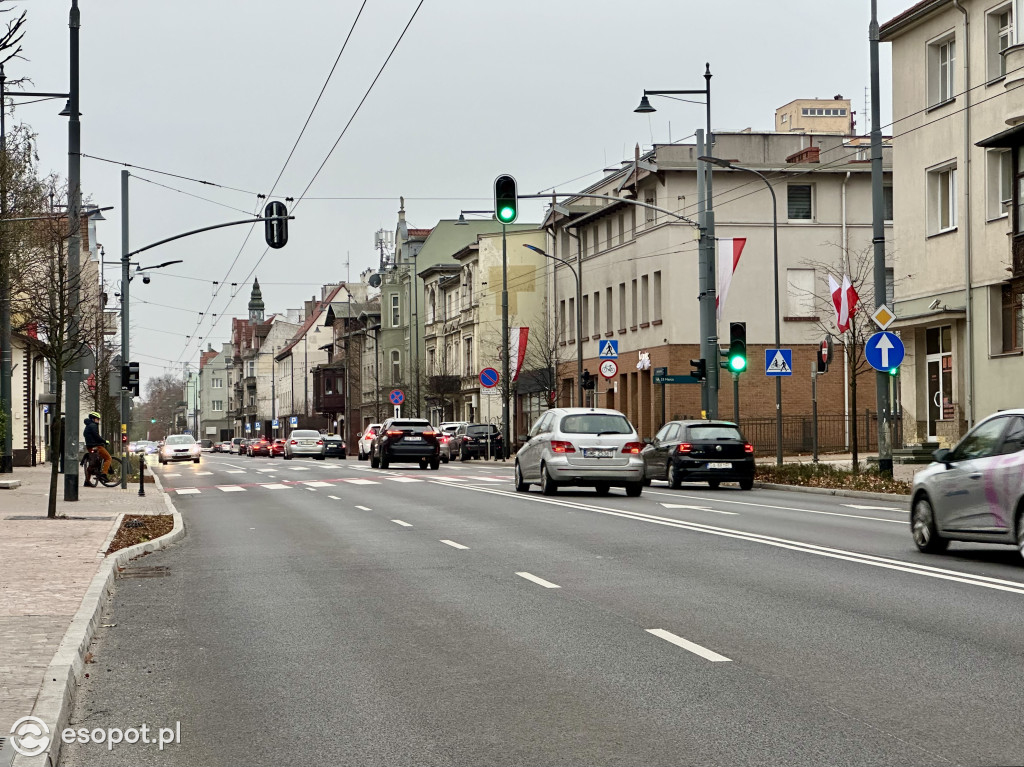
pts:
pixel 55 451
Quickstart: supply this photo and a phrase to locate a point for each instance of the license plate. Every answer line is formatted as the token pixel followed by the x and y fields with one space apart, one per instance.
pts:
pixel 414 439
pixel 595 453
pixel 719 465
pixel 306 442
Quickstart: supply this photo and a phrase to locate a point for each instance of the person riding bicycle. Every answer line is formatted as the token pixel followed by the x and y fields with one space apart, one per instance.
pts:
pixel 93 439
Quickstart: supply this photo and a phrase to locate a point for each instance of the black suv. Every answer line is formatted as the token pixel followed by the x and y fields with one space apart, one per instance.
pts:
pixel 406 440
pixel 699 451
pixel 471 441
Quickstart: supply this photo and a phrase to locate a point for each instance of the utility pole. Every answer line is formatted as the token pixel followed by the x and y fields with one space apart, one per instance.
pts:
pixel 507 390
pixel 878 240
pixel 6 339
pixel 73 376
pixel 125 282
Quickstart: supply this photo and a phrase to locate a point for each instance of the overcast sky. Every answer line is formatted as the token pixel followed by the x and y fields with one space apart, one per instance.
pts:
pixel 219 90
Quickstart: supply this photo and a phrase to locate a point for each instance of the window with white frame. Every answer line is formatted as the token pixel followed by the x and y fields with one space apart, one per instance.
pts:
pixel 585 314
pixel 999 169
pixel 217 383
pixel 572 319
pixel 942 199
pixel 396 367
pixel 800 202
pixel 250 368
pixel 941 70
pixel 800 293
pixel 396 314
pixel 217 405
pixel 998 37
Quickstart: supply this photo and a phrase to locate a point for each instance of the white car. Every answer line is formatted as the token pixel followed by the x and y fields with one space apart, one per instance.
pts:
pixel 179 447
pixel 305 442
pixel 366 441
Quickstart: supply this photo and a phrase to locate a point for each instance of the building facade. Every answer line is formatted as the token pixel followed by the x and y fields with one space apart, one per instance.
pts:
pixel 216 392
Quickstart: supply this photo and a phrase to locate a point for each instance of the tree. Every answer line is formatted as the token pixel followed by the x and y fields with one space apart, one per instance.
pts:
pixel 164 395
pixel 440 382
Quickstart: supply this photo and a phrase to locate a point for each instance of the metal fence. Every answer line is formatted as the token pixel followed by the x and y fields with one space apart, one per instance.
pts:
pixel 835 433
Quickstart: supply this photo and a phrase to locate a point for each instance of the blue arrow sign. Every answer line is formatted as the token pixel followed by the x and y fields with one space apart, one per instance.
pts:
pixel 609 350
pixel 884 351
pixel 778 362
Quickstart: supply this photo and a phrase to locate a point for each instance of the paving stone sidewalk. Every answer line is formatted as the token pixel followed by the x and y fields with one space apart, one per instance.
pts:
pixel 46 566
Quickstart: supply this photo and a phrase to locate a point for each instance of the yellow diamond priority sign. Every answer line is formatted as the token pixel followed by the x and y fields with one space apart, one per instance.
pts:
pixel 883 317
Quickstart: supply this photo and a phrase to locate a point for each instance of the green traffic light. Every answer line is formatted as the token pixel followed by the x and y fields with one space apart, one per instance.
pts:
pixel 506 214
pixel 737 364
pixel 893 371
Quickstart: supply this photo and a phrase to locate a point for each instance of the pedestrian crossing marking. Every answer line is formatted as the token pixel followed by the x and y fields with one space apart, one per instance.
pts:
pixel 362 481
pixel 318 484
pixel 277 486
pixel 186 491
pixel 404 479
pixel 232 488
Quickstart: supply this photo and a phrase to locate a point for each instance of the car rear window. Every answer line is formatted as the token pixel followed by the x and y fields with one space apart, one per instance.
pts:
pixel 180 439
pixel 596 423
pixel 714 432
pixel 480 430
pixel 413 426
pixel 305 434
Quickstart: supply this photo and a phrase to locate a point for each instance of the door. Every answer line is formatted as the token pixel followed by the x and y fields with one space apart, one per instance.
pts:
pixel 529 454
pixel 962 504
pixel 939 346
pixel 654 454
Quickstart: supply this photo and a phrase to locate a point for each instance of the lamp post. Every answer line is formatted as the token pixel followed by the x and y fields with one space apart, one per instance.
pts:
pixel 579 314
pixel 730 165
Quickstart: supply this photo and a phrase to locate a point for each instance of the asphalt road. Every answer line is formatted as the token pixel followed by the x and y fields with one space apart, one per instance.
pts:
pixel 324 613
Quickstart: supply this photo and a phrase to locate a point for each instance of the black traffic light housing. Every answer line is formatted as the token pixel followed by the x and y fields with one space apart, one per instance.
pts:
pixel 130 378
pixel 737 347
pixel 699 369
pixel 506 199
pixel 276 224
pixel 588 381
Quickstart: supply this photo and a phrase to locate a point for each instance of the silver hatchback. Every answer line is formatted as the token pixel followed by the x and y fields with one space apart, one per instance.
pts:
pixel 974 492
pixel 585 447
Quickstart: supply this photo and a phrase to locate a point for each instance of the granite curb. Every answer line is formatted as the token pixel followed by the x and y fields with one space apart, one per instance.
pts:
pixel 865 494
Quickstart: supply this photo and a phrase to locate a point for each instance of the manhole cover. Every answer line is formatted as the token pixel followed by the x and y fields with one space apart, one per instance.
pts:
pixel 152 571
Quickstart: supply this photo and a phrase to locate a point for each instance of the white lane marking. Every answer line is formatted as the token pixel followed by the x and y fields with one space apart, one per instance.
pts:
pixel 454 545
pixel 696 649
pixel 451 479
pixel 334 498
pixel 299 468
pixel 697 508
pixel 364 508
pixel 400 522
pixel 872 508
pixel 264 471
pixel 781 508
pixel 172 475
pixel 539 581
pixel 404 479
pixel 362 481
pixel 232 488
pixel 235 471
pixel 318 483
pixel 491 479
pixel 311 489
pixel 202 473
pixel 186 491
pixel 233 466
pixel 998 584
pixel 276 486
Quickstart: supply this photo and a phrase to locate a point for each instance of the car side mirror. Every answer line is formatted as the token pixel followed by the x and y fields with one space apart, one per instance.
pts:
pixel 648 441
pixel 942 456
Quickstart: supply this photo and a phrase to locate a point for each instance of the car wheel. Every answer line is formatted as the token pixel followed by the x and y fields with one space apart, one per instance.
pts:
pixel 463 455
pixel 445 459
pixel 287 457
pixel 646 480
pixel 602 489
pixel 343 456
pixel 384 462
pixel 435 464
pixel 1020 533
pixel 195 460
pixel 634 489
pixel 374 462
pixel 672 475
pixel 922 527
pixel 423 463
pixel 747 483
pixel 521 485
pixel 714 483
pixel 548 486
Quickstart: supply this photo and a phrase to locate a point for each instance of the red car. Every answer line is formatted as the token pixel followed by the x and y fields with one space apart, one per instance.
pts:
pixel 260 446
pixel 277 448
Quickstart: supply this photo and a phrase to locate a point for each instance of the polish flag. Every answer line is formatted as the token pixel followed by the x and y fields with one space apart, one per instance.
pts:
pixel 516 350
pixel 729 251
pixel 845 300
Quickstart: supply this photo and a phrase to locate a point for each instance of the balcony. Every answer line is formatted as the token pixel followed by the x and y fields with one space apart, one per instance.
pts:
pixel 249 382
pixel 328 389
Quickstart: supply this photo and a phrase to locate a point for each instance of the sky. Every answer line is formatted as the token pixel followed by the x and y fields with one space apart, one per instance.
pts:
pixel 219 91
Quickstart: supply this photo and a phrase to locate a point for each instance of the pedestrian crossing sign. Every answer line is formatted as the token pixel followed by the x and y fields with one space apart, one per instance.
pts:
pixel 609 350
pixel 778 362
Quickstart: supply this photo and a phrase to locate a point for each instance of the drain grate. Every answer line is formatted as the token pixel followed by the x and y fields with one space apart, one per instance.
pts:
pixel 152 571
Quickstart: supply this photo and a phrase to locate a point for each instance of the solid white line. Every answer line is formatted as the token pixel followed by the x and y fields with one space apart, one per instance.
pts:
pixel 781 508
pixel 232 489
pixel 334 498
pixel 697 508
pixel 539 581
pixel 364 508
pixel 871 508
pixel 696 649
pixel 298 468
pixel 400 522
pixel 186 491
pixel 264 471
pixel 451 479
pixel 172 475
pixel 454 545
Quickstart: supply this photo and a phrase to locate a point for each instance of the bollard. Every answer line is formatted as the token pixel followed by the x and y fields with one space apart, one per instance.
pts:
pixel 142 472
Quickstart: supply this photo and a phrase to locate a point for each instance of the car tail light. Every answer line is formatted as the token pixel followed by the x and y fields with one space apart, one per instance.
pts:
pixel 633 447
pixel 428 434
pixel 319 442
pixel 685 448
pixel 748 448
pixel 559 446
pixel 369 435
pixel 293 442
pixel 465 439
pixel 395 432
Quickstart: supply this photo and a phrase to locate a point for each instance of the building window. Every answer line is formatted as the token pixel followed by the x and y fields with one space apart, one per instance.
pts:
pixel 999 164
pixel 585 312
pixel 632 304
pixel 1013 317
pixel 645 299
pixel 887 201
pixel 657 296
pixel 890 286
pixel 821 112
pixel 608 233
pixel 561 319
pixel 800 199
pixel 942 199
pixel 583 242
pixel 467 345
pixel 941 70
pixel 250 368
pixel 999 37
pixel 396 314
pixel 572 319
pixel 252 400
pixel 622 228
pixel 608 310
pixel 622 305
pixel 800 293
pixel 597 312
pixel 217 405
pixel 431 362
pixel 396 367
pixel 217 383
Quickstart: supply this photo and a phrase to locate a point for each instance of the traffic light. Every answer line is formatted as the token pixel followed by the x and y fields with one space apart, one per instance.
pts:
pixel 152 420
pixel 699 369
pixel 587 380
pixel 737 346
pixel 130 378
pixel 506 199
pixel 276 224
pixel 894 372
pixel 124 439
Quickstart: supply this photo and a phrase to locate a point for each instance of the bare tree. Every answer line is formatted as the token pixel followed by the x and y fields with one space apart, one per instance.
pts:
pixel 441 383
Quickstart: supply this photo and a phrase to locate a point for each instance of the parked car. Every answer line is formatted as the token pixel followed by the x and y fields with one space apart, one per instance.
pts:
pixel 222 447
pixel 585 447
pixel 236 445
pixel 260 446
pixel 335 447
pixel 304 442
pixel 206 445
pixel 277 448
pixel 179 447
pixel 406 440
pixel 366 441
pixel 699 451
pixel 475 440
pixel 974 491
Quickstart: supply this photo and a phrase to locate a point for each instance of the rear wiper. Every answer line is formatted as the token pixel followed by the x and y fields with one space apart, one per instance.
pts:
pixel 602 433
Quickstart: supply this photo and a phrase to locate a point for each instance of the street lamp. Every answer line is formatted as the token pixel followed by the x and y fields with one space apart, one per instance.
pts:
pixel 731 165
pixel 579 315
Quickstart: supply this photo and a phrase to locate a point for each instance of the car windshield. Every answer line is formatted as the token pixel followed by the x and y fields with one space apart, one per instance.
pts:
pixel 180 439
pixel 596 423
pixel 714 432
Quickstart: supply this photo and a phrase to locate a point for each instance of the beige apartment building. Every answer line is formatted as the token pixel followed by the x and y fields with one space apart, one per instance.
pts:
pixel 833 115
pixel 640 282
pixel 958 110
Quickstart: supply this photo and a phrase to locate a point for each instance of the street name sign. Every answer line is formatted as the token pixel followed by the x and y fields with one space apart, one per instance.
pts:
pixel 884 351
pixel 778 362
pixel 676 380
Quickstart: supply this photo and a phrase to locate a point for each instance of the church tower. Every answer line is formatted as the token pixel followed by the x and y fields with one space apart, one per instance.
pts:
pixel 256 303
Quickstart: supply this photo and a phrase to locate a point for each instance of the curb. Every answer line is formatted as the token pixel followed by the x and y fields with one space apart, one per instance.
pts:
pixel 891 497
pixel 53 704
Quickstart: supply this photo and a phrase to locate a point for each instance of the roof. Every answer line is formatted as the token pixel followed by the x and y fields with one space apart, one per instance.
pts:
pixel 420 232
pixel 311 320
pixel 1009 138
pixel 909 17
pixel 441 269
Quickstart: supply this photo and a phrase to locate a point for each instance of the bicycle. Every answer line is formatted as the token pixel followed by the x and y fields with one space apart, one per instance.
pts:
pixel 93 465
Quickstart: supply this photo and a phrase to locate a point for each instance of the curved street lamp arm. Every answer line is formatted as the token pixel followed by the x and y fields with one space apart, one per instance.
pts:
pixel 127 256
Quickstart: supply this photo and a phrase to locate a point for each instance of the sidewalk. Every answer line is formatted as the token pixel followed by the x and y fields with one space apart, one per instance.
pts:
pixel 46 565
pixel 904 472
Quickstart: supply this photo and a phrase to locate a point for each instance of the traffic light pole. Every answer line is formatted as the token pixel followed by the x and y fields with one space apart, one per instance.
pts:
pixel 125 303
pixel 506 444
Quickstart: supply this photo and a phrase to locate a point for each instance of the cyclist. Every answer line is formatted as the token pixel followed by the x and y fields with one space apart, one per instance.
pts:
pixel 93 439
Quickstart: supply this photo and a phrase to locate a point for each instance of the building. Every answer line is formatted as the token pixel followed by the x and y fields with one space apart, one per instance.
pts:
pixel 638 269
pixel 216 389
pixel 958 110
pixel 833 116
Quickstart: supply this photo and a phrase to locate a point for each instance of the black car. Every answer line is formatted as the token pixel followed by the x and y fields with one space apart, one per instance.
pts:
pixel 471 441
pixel 406 440
pixel 334 447
pixel 699 451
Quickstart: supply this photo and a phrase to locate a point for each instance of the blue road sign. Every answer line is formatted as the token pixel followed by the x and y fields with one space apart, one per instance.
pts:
pixel 884 351
pixel 609 350
pixel 396 397
pixel 489 378
pixel 275 424
pixel 248 427
pixel 293 421
pixel 778 362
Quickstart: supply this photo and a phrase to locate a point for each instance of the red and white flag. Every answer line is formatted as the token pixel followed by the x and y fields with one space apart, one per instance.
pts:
pixel 729 251
pixel 845 300
pixel 517 338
